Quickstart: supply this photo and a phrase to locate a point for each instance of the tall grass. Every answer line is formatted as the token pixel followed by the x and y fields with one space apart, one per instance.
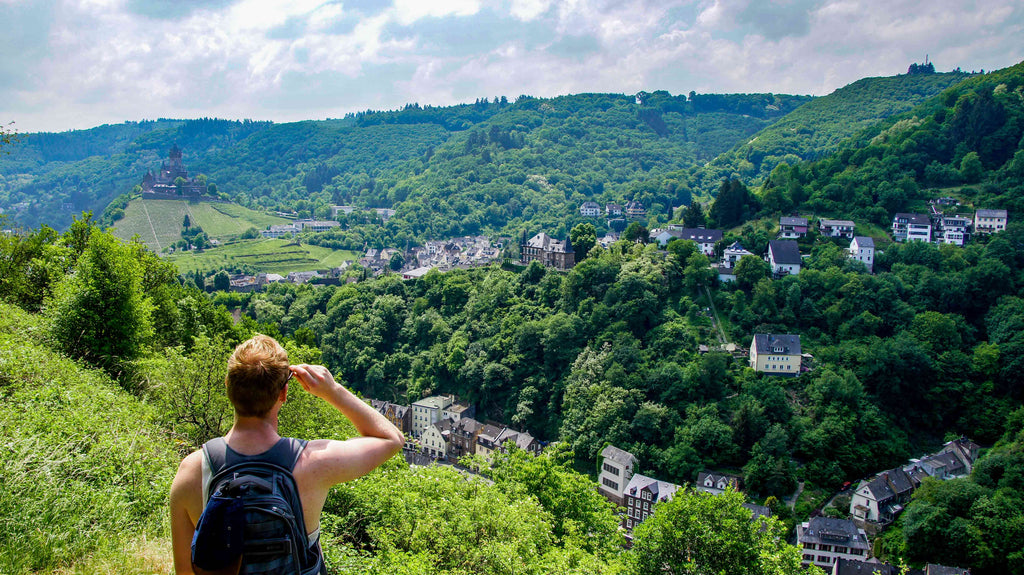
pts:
pixel 84 472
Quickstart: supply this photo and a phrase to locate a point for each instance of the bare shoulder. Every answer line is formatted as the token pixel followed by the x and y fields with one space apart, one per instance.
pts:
pixel 330 461
pixel 188 481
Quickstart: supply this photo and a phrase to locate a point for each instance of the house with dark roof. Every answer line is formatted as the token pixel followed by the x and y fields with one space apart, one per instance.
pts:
pixel 590 209
pixel 705 239
pixel 634 210
pixel 836 228
pixel 990 221
pixel 776 354
pixel 882 498
pixel 912 227
pixel 933 569
pixel 862 249
pixel 791 228
pixel 824 540
pixel 855 567
pixel 435 439
pixel 716 483
pixel 616 471
pixel 642 493
pixel 548 251
pixel 783 258
pixel 463 438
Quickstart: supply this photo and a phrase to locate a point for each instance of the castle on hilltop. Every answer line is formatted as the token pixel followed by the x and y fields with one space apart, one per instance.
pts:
pixel 165 183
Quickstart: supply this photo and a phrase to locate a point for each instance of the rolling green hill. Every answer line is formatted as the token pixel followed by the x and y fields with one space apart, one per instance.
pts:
pixel 817 129
pixel 158 223
pixel 466 160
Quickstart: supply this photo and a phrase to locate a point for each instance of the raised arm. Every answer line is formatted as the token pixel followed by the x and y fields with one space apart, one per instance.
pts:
pixel 338 461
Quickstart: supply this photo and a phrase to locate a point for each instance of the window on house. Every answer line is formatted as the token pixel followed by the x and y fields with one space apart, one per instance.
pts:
pixel 809 546
pixel 824 559
pixel 825 548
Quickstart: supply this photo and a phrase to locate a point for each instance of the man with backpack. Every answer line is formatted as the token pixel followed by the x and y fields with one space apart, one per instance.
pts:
pixel 260 495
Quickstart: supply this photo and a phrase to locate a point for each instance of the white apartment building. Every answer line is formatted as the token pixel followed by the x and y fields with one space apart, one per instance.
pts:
pixel 912 227
pixel 429 411
pixel 954 230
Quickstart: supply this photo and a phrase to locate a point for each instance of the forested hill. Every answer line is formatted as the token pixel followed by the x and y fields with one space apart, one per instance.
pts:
pixel 539 152
pixel 817 129
pixel 965 142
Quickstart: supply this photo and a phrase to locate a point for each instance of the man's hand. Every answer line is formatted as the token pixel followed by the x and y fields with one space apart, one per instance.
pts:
pixel 315 379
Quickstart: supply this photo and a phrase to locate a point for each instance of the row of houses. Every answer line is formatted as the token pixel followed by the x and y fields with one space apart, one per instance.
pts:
pixel 841 546
pixel 248 283
pixel 879 499
pixel 941 228
pixel 784 258
pixel 444 429
pixel 632 210
pixel 297 227
pixel 638 494
pixel 384 214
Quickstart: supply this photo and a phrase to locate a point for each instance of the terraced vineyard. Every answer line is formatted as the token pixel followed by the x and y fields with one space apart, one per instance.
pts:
pixel 266 255
pixel 158 222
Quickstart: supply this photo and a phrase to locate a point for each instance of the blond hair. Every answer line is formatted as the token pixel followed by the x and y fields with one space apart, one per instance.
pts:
pixel 257 372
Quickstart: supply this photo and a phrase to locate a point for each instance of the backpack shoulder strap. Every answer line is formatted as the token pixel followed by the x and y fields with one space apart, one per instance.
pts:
pixel 216 453
pixel 285 452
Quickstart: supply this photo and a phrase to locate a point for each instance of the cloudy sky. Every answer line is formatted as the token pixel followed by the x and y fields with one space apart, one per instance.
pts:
pixel 67 64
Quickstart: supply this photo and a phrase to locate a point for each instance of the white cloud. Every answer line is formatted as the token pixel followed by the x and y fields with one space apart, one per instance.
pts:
pixel 409 11
pixel 96 61
pixel 527 10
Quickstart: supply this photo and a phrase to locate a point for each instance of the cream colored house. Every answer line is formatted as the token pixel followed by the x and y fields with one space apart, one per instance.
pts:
pixel 776 354
pixel 989 221
pixel 429 411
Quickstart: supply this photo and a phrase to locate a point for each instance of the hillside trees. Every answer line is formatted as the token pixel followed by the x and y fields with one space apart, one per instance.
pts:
pixel 100 312
pixel 676 539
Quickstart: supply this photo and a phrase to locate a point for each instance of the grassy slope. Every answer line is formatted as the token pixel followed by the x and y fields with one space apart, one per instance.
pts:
pixel 268 255
pixel 85 471
pixel 164 217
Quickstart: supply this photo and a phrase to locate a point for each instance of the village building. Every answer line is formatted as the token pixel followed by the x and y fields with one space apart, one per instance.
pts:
pixel 791 228
pixel 635 210
pixel 590 209
pixel 990 221
pixel 882 498
pixel 428 411
pixel 612 210
pixel 824 540
pixel 911 227
pixel 953 230
pixel 548 251
pixel 783 258
pixel 641 495
pixel 776 354
pixel 862 249
pixel 705 239
pixel 435 439
pixel 856 567
pixel 616 471
pixel 836 228
pixel 463 437
pixel 716 483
